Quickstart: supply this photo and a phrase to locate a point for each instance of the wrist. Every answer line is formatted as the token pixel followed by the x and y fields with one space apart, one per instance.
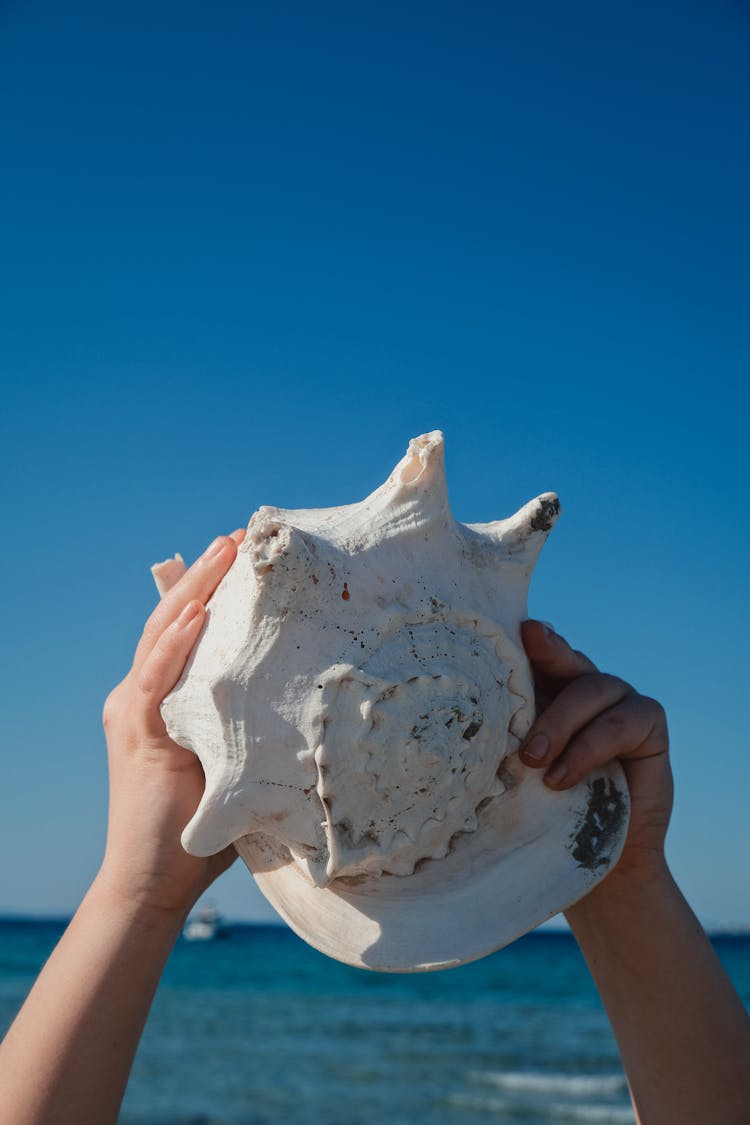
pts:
pixel 628 890
pixel 106 896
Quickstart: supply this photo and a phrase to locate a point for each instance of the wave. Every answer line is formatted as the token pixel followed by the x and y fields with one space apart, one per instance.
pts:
pixel 570 1111
pixel 537 1082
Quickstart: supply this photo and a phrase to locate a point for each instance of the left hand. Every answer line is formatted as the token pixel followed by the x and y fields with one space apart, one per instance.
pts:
pixel 156 785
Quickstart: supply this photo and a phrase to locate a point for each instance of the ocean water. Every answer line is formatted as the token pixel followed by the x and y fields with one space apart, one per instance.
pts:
pixel 257 1028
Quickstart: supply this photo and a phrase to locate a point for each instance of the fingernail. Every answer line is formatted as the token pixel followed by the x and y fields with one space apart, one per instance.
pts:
pixel 216 548
pixel 548 629
pixel 537 748
pixel 189 613
pixel 556 773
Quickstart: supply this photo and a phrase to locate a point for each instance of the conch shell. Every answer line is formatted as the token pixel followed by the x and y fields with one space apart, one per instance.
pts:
pixel 357 699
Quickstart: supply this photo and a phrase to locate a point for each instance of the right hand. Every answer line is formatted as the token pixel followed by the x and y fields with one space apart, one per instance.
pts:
pixel 588 718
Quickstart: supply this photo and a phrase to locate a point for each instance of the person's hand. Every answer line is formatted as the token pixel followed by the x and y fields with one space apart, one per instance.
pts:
pixel 586 718
pixel 155 785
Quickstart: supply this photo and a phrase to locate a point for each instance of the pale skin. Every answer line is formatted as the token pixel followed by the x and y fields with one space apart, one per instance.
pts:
pixel 683 1033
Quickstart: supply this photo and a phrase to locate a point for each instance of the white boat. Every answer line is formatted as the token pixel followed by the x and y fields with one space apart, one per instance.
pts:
pixel 204 926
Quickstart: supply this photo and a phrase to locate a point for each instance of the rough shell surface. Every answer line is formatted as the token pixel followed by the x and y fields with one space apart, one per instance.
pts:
pixel 356 700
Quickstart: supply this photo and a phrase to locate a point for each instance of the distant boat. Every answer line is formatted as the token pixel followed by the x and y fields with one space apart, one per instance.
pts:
pixel 205 926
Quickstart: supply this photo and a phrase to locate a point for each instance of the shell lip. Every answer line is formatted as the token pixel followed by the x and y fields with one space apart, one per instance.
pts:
pixel 532 856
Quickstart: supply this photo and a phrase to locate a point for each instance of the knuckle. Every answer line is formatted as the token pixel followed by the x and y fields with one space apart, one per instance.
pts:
pixel 596 685
pixel 655 708
pixel 110 709
pixel 658 718
pixel 617 722
pixel 616 684
pixel 145 683
pixel 115 705
pixel 604 687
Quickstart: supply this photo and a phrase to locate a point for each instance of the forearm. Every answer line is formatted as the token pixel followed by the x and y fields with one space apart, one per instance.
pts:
pixel 683 1033
pixel 67 1057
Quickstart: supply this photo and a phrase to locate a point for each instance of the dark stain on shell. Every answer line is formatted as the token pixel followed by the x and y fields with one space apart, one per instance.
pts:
pixel 548 512
pixel 600 825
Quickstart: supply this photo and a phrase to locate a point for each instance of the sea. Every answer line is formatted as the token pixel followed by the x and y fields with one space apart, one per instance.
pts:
pixel 256 1028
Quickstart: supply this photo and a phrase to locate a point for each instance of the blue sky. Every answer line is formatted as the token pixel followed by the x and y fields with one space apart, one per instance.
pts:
pixel 248 251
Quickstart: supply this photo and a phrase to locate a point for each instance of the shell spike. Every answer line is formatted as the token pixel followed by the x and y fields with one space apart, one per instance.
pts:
pixel 424 463
pixel 417 485
pixel 535 519
pixel 210 829
pixel 168 573
pixel 524 534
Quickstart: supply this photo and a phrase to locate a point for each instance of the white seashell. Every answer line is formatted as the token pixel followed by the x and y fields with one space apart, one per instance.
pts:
pixel 356 700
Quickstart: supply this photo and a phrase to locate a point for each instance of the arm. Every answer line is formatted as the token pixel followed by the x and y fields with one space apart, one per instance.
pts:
pixel 683 1033
pixel 68 1054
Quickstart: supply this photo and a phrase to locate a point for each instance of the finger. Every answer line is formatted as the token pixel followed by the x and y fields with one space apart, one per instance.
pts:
pixel 197 583
pixel 164 664
pixel 576 706
pixel 168 573
pixel 550 654
pixel 629 730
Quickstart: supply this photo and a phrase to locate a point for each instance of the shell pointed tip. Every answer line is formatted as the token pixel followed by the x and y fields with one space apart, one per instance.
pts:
pixel 186 839
pixel 424 461
pixel 195 843
pixel 546 514
pixel 429 442
pixel 166 574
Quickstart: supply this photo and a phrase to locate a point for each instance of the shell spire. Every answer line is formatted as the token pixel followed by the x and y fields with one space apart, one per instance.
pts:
pixel 523 535
pixel 416 492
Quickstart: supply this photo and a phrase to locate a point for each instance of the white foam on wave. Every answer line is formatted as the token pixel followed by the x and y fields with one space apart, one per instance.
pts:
pixel 536 1082
pixel 504 1107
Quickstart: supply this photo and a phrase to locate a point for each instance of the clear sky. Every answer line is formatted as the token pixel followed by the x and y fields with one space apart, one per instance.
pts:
pixel 247 251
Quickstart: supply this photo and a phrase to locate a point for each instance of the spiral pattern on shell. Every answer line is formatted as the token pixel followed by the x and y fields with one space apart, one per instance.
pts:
pixel 410 745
